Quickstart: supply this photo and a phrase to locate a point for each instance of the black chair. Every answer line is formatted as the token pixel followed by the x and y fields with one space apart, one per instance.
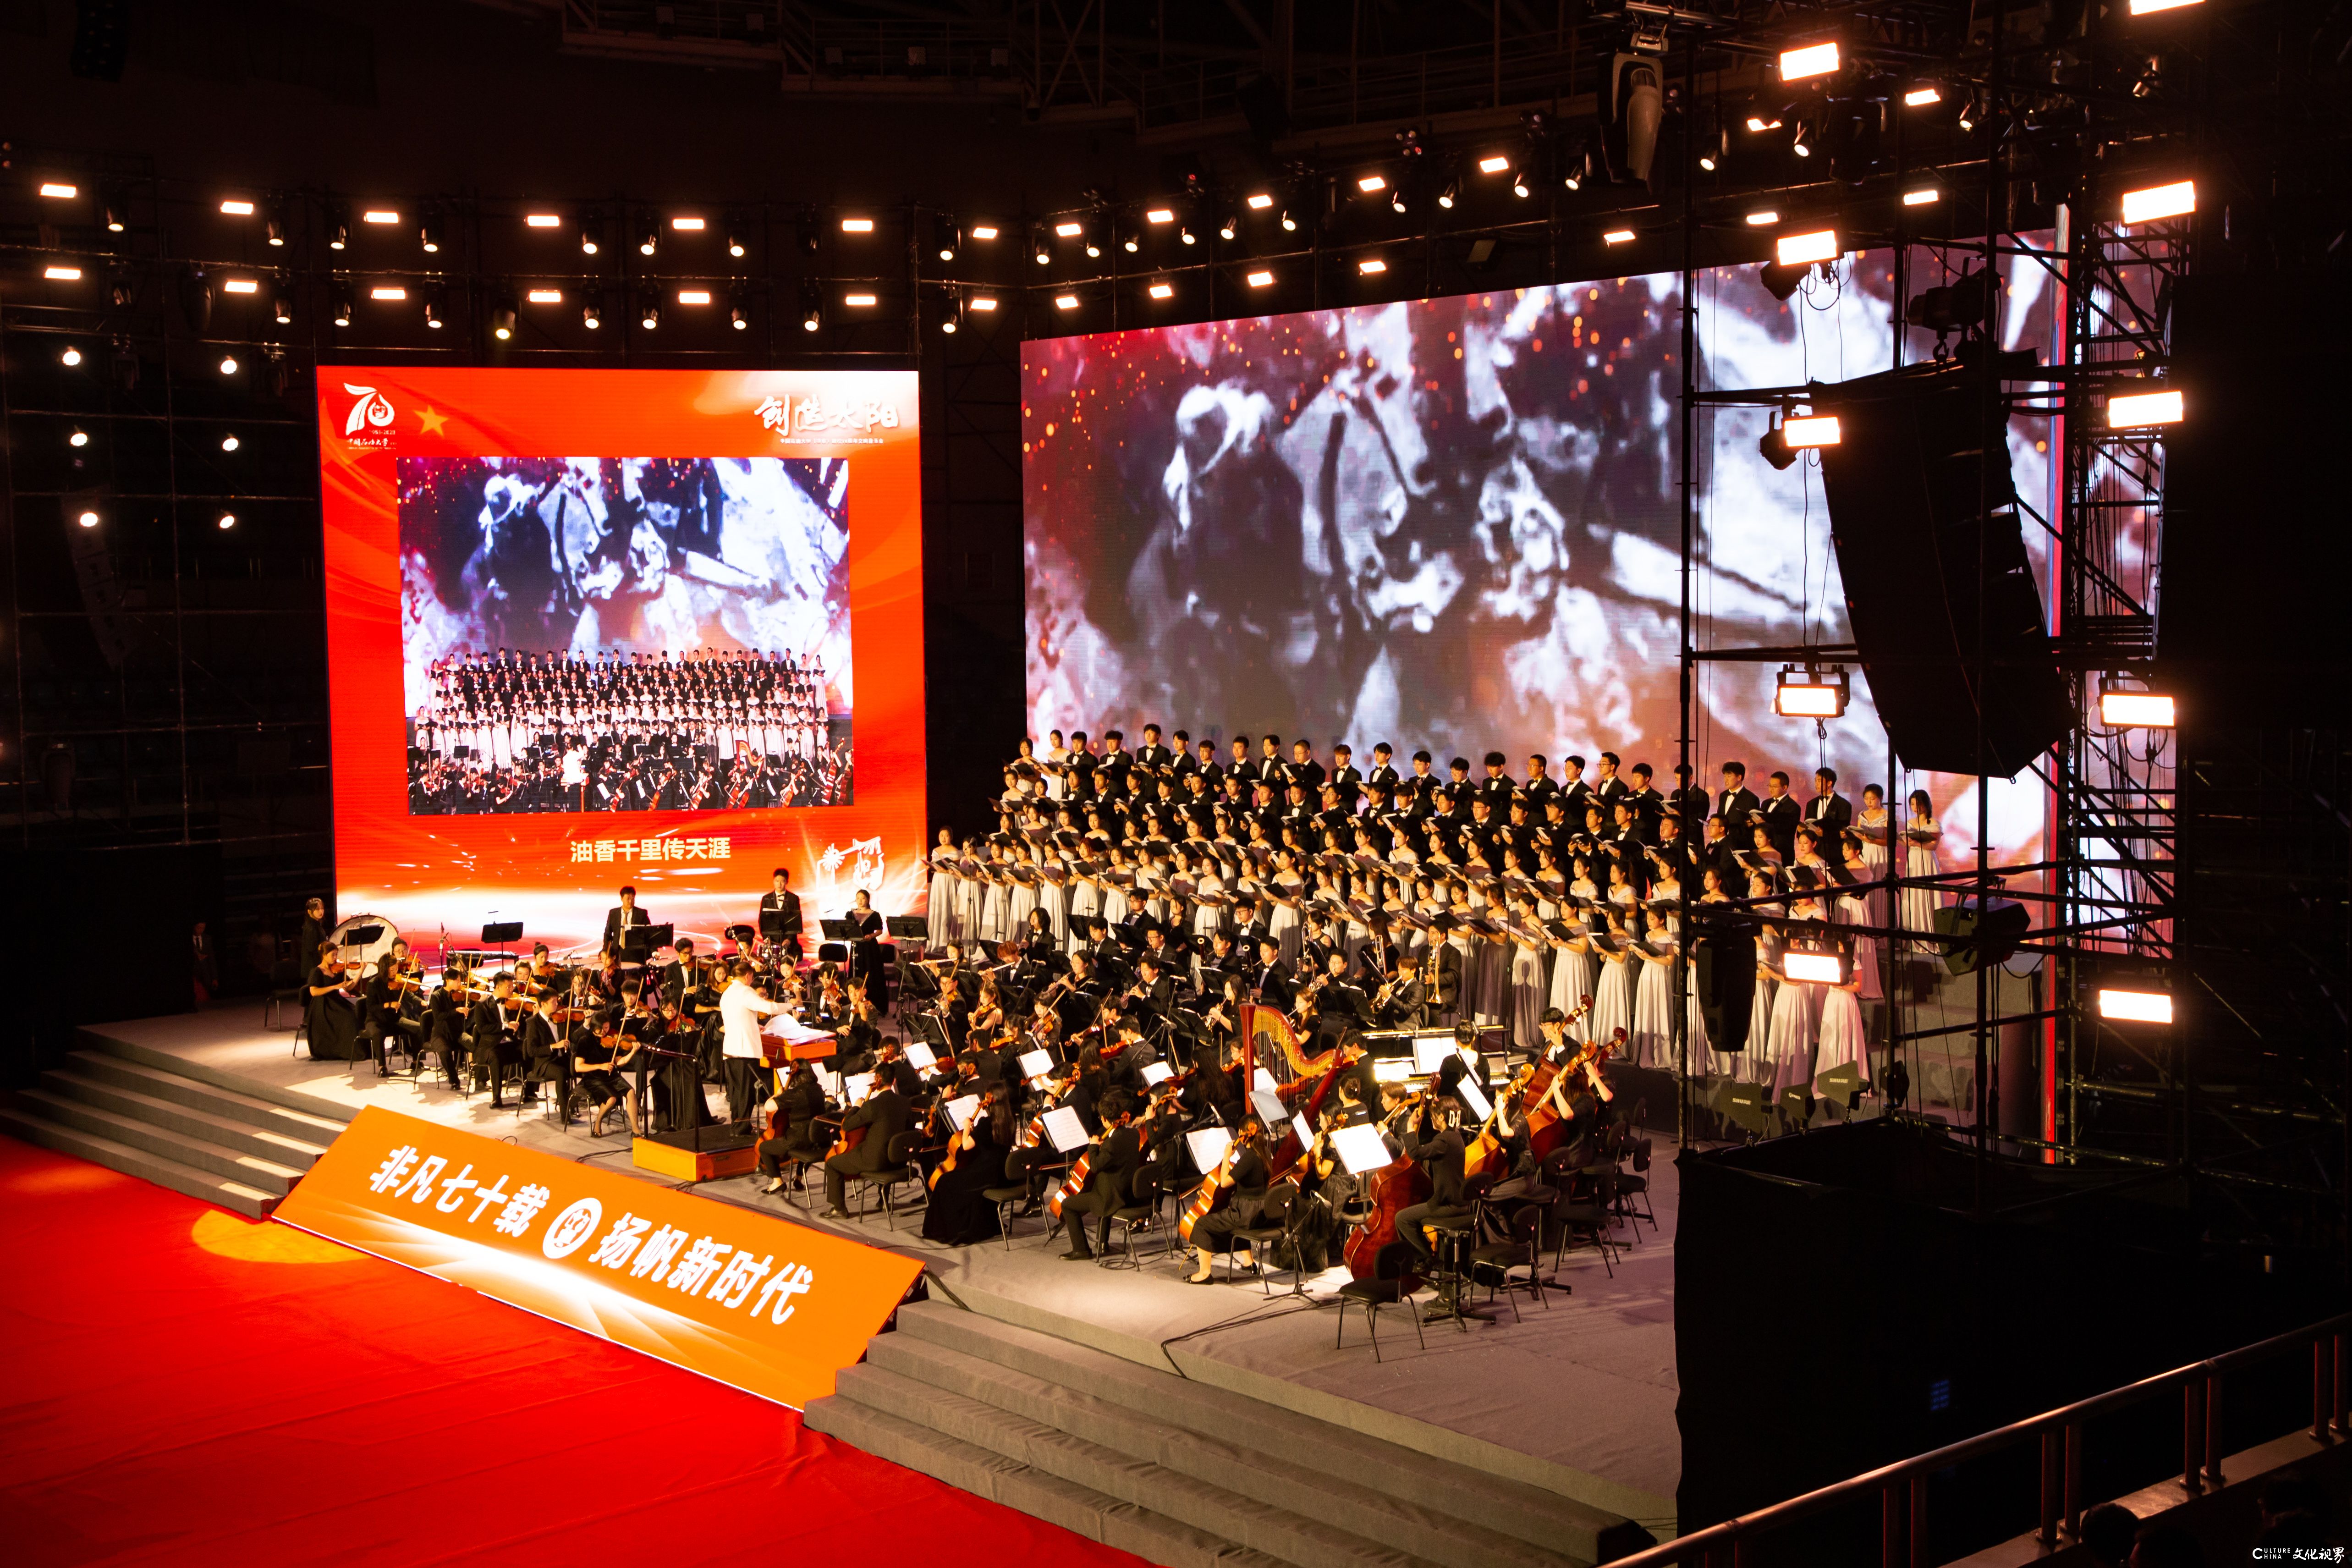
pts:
pixel 1583 1216
pixel 1268 1231
pixel 284 991
pixel 1491 1263
pixel 1143 1214
pixel 895 1172
pixel 1635 1184
pixel 1006 1200
pixel 1385 1289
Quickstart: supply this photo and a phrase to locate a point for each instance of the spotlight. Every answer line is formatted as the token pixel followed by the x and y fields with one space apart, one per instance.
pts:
pixel 229 442
pixel 1759 122
pixel 1761 217
pixel 237 206
pixel 79 437
pixel 953 321
pixel 859 301
pixel 1969 113
pixel 806 230
pixel 228 521
pixel 1812 60
pixel 2135 1006
pixel 1579 169
pixel 273 227
pixel 1774 445
pixel 542 220
pixel 1371 264
pixel 70 356
pixel 2175 200
pixel 1795 250
pixel 88 519
pixel 58 191
pixel 1518 185
pixel 1260 279
pixel 1812 693
pixel 739 312
pixel 282 304
pixel 858 225
pixel 240 285
pixel 1372 184
pixel 1801 145
pixel 1259 201
pixel 1449 193
pixel 1493 164
pixel 1069 230
pixel 1187 235
pixel 1129 241
pixel 1065 303
pixel 338 229
pixel 114 211
pixel 693 296
pixel 61 274
pixel 1289 224
pixel 382 216
pixel 648 236
pixel 1714 149
pixel 950 235
pixel 429 233
pixel 2137 710
pixel 650 313
pixel 1804 430
pixel 1921 197
pixel 1617 236
pixel 984 231
pixel 228 364
pixel 735 245
pixel 433 318
pixel 389 293
pixel 690 225
pixel 1226 229
pixel 341 306
pixel 592 313
pixel 1162 290
pixel 812 307
pixel 1396 200
pixel 545 296
pixel 592 236
pixel 1094 238
pixel 502 320
pixel 983 302
pixel 1922 96
pixel 1160 214
pixel 1041 249
pixel 2140 410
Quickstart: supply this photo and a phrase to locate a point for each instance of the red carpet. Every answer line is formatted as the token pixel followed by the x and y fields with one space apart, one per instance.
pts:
pixel 187 1387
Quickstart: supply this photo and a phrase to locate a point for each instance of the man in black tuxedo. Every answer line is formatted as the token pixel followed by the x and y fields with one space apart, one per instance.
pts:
pixel 1496 788
pixel 1239 765
pixel 1437 1000
pixel 1737 804
pixel 1276 982
pixel 1828 811
pixel 1689 802
pixel 780 898
pixel 1212 771
pixel 1541 786
pixel 1383 766
pixel 1151 754
pixel 1250 926
pixel 624 915
pixel 1423 783
pixel 1344 779
pixel 1609 789
pixel 884 1116
pixel 1781 814
pixel 1108 1171
pixel 1574 790
pixel 1647 803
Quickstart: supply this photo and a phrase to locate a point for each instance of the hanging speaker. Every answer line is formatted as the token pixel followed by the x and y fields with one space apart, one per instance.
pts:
pixel 1923 517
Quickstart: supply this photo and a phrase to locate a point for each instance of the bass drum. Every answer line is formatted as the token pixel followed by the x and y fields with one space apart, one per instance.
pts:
pixel 366 938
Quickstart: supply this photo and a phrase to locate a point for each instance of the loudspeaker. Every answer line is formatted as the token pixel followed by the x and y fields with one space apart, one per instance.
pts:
pixel 1970 940
pixel 1920 519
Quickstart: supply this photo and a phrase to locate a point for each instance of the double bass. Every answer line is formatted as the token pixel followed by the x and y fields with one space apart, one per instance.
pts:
pixel 1388 1192
pixel 1521 1101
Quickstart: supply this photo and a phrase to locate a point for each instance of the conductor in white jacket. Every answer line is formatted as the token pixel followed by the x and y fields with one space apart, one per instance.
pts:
pixel 740 1008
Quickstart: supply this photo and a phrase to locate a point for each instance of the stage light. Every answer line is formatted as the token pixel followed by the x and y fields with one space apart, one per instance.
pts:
pixel 1799 144
pixel 591 236
pixel 950 235
pixel 984 231
pixel 429 233
pixel 339 231
pixel 502 321
pixel 57 190
pixel 1519 187
pixel 1802 430
pixel 113 210
pixel 1226 229
pixel 229 442
pixel 693 296
pixel 858 225
pixel 739 313
pixel 1920 96
pixel 1160 214
pixel 1617 236
pixel 2138 410
pixel 1579 169
pixel 1774 448
pixel 1069 230
pixel 228 364
pixel 1130 242
pixel 2135 1006
pixel 88 519
pixel 1715 148
pixel 70 356
pixel 953 318
pixel 1493 164
pixel 1969 112
pixel 812 308
pixel 1065 303
pixel 1811 693
pixel 858 301
pixel 389 292
pixel 690 225
pixel 273 228
pixel 1812 60
pixel 1371 264
pixel 648 236
pixel 1372 184
pixel 1162 290
pixel 1812 968
pixel 240 285
pixel 1187 235
pixel 545 296
pixel 340 307
pixel 237 207
pixel 79 439
pixel 983 302
pixel 380 215
pixel 432 317
pixel 1796 250
pixel 228 521
pixel 2150 7
pixel 1289 224
pixel 1449 193
pixel 649 314
pixel 1260 279
pixel 1396 200
pixel 281 305
pixel 61 274
pixel 2175 200
pixel 1094 240
pixel 1758 122
pixel 592 314
pixel 1041 249
pixel 1922 197
pixel 1758 219
pixel 2137 710
pixel 542 220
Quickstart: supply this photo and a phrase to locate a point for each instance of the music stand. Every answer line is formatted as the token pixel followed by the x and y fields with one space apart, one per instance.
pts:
pixel 639 942
pixel 913 928
pixel 836 930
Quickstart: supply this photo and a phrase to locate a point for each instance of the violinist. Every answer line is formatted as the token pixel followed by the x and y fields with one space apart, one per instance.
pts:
pixel 1429 1134
pixel 794 1135
pixel 882 1116
pixel 958 1214
pixel 987 1013
pixel 601 1055
pixel 387 989
pixel 1111 1163
pixel 495 1026
pixel 1248 1174
pixel 334 1022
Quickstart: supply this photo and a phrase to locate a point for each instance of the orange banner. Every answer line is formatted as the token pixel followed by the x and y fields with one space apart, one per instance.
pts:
pixel 768 1306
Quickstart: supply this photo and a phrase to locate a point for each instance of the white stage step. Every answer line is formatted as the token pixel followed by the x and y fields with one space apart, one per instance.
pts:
pixel 1014 1413
pixel 195 1131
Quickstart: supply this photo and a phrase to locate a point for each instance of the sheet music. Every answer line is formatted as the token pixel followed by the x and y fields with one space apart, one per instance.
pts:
pixel 1473 1097
pixel 1430 1051
pixel 1157 1073
pixel 853 1088
pixel 1268 1106
pixel 1036 1063
pixel 1263 1079
pixel 1208 1146
pixel 1362 1149
pixel 1065 1131
pixel 922 1056
pixel 1299 1129
pixel 960 1112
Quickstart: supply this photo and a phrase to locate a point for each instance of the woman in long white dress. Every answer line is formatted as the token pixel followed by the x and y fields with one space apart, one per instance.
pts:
pixel 1758 1069
pixel 1053 896
pixel 970 893
pixel 1572 974
pixel 1057 786
pixel 1651 1043
pixel 995 925
pixel 1021 897
pixel 1530 986
pixel 1116 901
pixel 1796 1014
pixel 1920 837
pixel 1840 1032
pixel 1613 999
pixel 941 905
pixel 1871 823
pixel 1283 891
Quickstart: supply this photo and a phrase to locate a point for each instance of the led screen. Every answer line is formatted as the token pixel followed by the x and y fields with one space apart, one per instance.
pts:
pixel 1456 524
pixel 595 627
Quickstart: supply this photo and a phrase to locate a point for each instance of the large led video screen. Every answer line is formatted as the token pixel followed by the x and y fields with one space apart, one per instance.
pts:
pixel 589 628
pixel 1455 524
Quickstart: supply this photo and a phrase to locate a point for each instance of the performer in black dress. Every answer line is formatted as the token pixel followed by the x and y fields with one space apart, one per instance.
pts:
pixel 1247 1171
pixel 958 1214
pixel 865 954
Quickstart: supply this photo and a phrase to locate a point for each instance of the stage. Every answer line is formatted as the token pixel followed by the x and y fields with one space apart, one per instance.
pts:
pixel 1577 1399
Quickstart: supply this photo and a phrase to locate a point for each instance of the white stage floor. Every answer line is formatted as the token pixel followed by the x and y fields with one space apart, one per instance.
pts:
pixel 1580 1398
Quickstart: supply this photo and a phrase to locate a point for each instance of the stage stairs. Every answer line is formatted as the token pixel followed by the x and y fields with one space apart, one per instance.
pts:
pixel 173 1122
pixel 1178 1471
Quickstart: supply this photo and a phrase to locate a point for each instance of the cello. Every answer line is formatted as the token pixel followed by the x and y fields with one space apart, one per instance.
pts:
pixel 1387 1192
pixel 1521 1101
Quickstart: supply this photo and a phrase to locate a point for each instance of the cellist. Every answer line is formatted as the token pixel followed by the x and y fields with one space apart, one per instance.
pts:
pixel 1247 1171
pixel 1109 1165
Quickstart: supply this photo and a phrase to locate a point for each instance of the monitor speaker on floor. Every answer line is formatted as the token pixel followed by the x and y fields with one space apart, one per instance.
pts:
pixel 1920 520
